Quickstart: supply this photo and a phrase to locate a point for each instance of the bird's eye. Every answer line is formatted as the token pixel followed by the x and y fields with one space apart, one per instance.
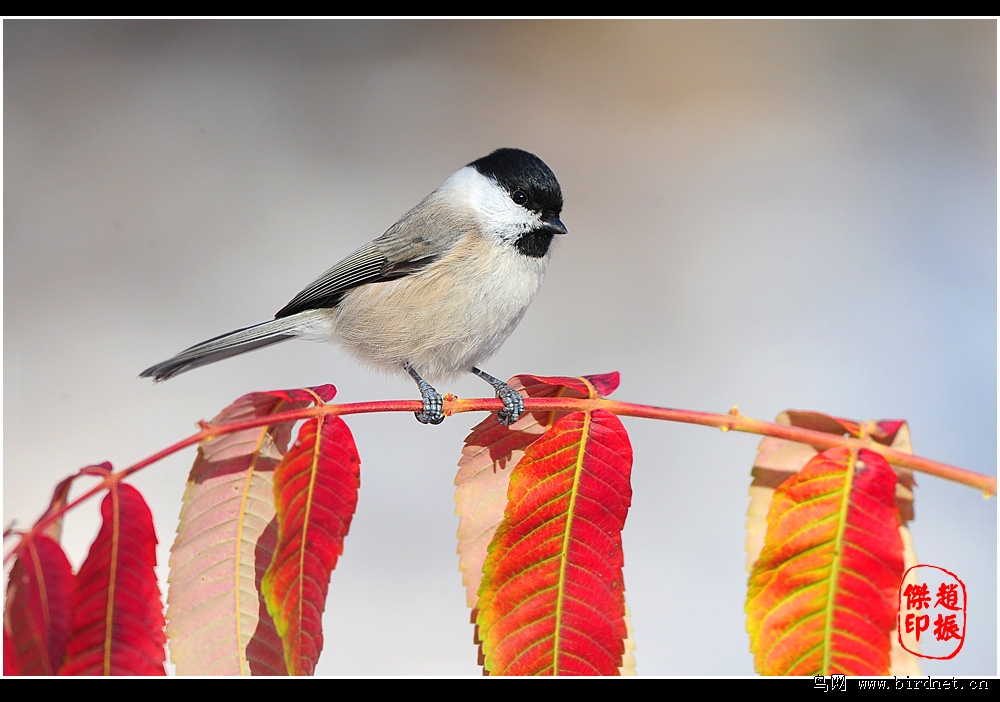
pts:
pixel 519 197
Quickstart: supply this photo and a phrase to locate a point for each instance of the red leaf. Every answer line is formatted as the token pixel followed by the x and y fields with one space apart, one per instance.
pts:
pixel 217 621
pixel 887 431
pixel 586 386
pixel 551 600
pixel 9 657
pixel 117 613
pixel 37 610
pixel 60 496
pixel 316 492
pixel 884 432
pixel 822 595
pixel 491 448
pixel 604 383
pixel 779 459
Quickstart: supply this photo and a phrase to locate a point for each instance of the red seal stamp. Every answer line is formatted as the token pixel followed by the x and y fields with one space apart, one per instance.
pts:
pixel 932 609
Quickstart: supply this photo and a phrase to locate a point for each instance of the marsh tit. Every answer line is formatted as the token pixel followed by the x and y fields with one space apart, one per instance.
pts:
pixel 434 296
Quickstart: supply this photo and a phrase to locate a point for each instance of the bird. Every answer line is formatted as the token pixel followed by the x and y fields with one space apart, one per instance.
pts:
pixel 434 296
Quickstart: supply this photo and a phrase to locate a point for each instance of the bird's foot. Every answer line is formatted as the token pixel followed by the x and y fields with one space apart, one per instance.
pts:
pixel 433 404
pixel 513 403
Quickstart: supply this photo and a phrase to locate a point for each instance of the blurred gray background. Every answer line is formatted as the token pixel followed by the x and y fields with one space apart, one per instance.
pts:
pixel 777 215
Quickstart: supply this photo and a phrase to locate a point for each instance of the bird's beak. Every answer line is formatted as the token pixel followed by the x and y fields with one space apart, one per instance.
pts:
pixel 555 226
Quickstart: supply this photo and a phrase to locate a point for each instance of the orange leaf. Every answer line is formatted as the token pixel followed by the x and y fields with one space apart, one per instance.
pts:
pixel 779 459
pixel 822 594
pixel 490 451
pixel 551 600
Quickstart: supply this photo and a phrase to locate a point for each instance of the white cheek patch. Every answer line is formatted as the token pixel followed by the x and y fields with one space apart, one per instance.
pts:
pixel 498 216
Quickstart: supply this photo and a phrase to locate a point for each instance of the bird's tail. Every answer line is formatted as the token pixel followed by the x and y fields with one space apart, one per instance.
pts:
pixel 231 344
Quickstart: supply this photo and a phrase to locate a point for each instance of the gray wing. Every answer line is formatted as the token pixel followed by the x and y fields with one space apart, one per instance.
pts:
pixel 408 247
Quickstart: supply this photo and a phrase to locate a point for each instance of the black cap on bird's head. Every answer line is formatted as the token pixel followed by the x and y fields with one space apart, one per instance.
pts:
pixel 526 178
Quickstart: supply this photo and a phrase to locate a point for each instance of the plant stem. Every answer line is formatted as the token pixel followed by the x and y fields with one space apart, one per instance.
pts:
pixel 732 421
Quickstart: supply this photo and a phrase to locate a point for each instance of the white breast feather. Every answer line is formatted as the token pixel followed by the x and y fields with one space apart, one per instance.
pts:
pixel 445 320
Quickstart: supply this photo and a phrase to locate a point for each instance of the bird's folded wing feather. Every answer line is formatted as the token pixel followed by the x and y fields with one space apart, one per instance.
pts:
pixel 363 266
pixel 403 250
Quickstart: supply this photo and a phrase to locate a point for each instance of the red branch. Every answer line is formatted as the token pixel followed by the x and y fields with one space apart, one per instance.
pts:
pixel 454 405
